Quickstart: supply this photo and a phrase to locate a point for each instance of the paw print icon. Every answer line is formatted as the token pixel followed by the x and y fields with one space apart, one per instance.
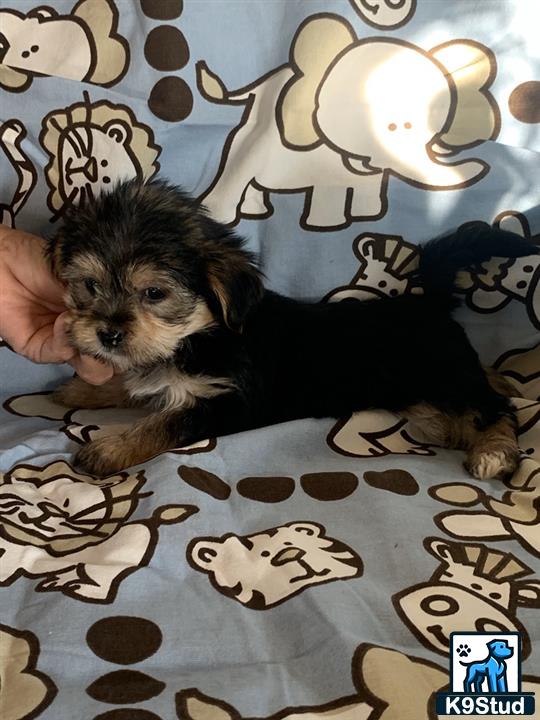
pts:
pixel 463 650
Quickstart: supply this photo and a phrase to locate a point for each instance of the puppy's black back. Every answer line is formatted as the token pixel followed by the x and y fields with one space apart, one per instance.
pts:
pixel 341 357
pixel 296 359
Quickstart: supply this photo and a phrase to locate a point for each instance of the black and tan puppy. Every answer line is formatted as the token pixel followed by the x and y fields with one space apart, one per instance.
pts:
pixel 174 302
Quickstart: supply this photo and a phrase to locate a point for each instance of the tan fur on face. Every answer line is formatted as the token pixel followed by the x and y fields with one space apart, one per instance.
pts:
pixel 143 276
pixel 153 339
pixel 152 332
pixel 84 265
pixel 82 334
pixel 149 339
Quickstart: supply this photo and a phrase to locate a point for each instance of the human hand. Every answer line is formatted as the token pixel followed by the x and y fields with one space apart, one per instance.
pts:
pixel 33 317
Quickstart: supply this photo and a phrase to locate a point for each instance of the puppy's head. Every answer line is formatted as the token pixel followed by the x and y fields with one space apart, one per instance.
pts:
pixel 144 267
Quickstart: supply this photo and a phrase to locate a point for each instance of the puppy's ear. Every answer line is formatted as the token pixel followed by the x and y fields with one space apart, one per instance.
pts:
pixel 235 283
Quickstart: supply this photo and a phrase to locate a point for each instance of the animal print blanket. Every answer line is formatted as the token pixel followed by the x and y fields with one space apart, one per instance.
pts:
pixel 317 568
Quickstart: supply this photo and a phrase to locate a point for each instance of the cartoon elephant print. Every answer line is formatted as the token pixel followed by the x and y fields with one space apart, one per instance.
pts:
pixel 81 45
pixel 345 114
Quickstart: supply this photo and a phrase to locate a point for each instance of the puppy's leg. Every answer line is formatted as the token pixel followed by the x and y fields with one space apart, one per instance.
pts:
pixel 436 426
pixel 113 453
pixel 488 434
pixel 77 393
pixel 494 450
pixel 163 431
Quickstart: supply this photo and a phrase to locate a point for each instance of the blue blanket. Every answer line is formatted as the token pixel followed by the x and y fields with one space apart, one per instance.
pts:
pixel 313 569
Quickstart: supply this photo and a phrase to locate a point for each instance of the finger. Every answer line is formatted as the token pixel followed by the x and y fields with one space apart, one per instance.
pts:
pixel 24 256
pixel 59 347
pixel 92 371
pixel 45 344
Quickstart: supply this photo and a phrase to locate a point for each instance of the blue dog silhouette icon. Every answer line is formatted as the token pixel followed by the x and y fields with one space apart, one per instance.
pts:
pixel 493 668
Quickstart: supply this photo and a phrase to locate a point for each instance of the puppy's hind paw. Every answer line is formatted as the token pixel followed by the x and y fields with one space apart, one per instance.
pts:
pixel 496 464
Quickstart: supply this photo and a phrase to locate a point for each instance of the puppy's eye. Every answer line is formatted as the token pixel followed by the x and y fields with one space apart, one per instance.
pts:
pixel 91 285
pixel 154 294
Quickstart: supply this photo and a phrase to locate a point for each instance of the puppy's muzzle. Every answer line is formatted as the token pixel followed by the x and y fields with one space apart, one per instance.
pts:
pixel 110 338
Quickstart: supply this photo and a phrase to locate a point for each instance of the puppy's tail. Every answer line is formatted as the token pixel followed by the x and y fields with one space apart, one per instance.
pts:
pixel 441 259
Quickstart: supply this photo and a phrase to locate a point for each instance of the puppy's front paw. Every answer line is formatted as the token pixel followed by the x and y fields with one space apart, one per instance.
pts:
pixel 101 457
pixel 76 393
pixel 65 394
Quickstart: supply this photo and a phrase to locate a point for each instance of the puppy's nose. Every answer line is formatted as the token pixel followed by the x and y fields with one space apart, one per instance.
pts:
pixel 110 338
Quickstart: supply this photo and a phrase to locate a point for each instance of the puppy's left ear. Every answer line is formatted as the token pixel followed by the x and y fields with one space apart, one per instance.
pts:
pixel 235 282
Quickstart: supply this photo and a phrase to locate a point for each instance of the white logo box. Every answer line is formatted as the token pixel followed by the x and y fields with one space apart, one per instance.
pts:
pixel 469 647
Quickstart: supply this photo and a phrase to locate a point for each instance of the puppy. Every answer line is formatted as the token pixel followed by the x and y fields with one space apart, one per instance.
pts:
pixel 176 304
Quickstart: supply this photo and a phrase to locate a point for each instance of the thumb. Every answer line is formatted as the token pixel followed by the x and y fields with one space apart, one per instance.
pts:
pixel 91 370
pixel 88 368
pixel 54 345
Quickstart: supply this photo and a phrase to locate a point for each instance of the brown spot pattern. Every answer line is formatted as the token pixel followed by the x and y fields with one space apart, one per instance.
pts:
pixel 162 9
pixel 205 481
pixel 166 48
pixel 124 640
pixel 329 485
pixel 524 102
pixel 266 489
pixel 128 714
pixel 400 482
pixel 125 686
pixel 171 99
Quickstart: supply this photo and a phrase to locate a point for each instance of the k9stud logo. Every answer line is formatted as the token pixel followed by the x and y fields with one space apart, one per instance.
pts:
pixel 485 676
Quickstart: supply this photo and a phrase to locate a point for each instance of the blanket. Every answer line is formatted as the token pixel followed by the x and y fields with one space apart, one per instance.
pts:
pixel 318 568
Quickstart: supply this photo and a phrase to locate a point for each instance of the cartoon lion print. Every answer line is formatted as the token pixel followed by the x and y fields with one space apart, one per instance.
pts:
pixel 71 532
pixel 90 145
pixel 267 568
